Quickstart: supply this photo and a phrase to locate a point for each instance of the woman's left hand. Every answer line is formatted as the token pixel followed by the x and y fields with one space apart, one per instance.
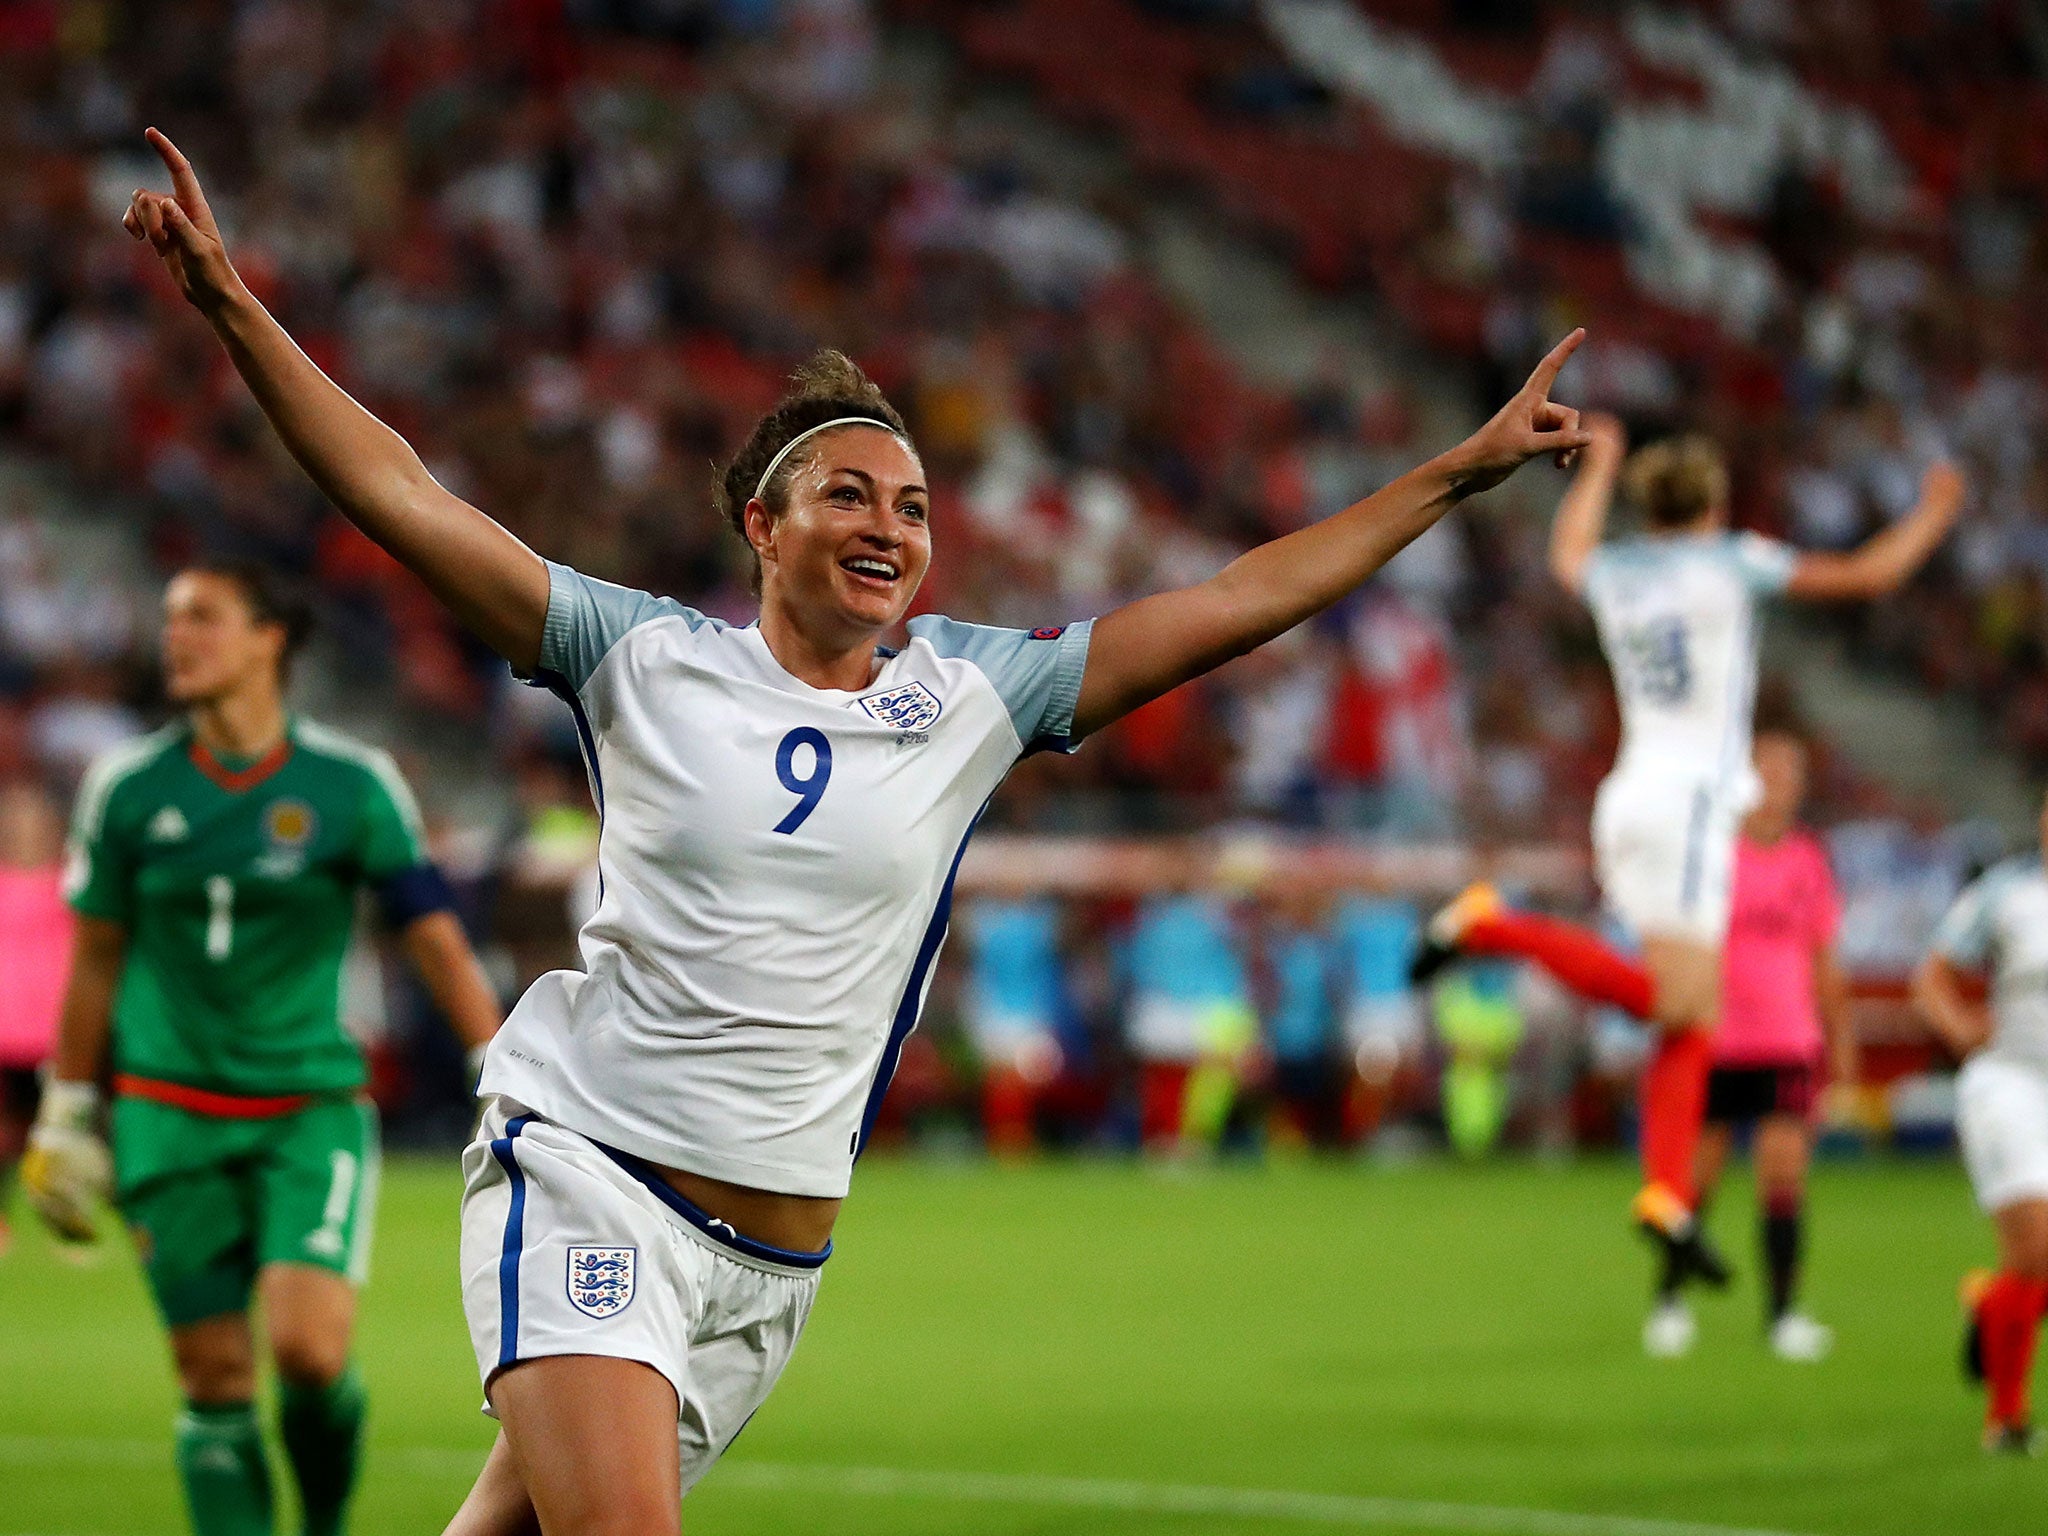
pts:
pixel 1527 427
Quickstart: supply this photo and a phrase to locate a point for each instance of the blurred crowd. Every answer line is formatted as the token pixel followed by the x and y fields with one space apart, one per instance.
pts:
pixel 1815 230
pixel 1897 329
pixel 1811 229
pixel 570 251
pixel 570 248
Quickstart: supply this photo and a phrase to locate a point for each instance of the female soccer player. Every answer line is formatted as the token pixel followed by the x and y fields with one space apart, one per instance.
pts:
pixel 1677 614
pixel 673 1127
pixel 2000 926
pixel 1784 1019
pixel 214 868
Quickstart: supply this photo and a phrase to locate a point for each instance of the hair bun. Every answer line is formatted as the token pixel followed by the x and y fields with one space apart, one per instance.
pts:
pixel 826 386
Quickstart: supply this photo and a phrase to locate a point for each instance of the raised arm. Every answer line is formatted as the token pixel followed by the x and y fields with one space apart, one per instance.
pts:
pixel 1148 647
pixel 1883 564
pixel 1582 515
pixel 494 584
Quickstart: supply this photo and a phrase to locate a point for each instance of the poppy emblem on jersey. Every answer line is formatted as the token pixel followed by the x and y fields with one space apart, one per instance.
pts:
pixel 601 1280
pixel 1051 632
pixel 289 823
pixel 913 707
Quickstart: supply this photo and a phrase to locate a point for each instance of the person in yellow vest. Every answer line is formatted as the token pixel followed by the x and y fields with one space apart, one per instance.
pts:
pixel 1480 1022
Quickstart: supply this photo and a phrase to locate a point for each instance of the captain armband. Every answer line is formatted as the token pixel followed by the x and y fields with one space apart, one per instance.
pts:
pixel 412 894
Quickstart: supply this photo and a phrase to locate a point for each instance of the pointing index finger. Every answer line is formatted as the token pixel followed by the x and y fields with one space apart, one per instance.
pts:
pixel 183 181
pixel 1547 371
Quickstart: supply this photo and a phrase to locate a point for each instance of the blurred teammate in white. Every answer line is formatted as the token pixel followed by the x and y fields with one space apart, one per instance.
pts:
pixel 1677 610
pixel 1998 929
pixel 671 1129
pixel 1784 1029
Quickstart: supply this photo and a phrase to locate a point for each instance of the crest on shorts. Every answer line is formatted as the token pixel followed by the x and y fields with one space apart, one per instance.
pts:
pixel 912 707
pixel 601 1280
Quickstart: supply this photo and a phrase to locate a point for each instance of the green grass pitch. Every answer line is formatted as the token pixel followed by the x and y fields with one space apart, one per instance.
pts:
pixel 1095 1348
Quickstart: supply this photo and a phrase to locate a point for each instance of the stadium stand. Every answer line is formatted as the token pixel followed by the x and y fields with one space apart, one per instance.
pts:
pixel 1809 228
pixel 568 248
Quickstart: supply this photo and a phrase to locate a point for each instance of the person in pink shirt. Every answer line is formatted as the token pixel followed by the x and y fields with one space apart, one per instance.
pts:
pixel 35 946
pixel 1784 1020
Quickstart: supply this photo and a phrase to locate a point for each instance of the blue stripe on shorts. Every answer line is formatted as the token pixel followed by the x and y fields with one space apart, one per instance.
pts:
pixel 515 1239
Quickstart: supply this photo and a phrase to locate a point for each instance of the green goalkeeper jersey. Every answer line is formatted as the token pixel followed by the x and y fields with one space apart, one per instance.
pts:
pixel 238 890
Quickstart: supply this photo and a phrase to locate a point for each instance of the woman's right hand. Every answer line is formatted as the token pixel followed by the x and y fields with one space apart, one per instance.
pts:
pixel 495 584
pixel 67 1170
pixel 180 228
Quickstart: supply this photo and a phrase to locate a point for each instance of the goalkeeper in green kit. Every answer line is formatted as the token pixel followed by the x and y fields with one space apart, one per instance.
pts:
pixel 215 867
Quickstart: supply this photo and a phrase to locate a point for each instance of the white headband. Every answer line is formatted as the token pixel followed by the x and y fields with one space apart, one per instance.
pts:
pixel 761 490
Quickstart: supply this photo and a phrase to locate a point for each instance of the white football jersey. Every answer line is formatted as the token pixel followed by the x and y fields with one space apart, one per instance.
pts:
pixel 776 869
pixel 1677 616
pixel 2000 924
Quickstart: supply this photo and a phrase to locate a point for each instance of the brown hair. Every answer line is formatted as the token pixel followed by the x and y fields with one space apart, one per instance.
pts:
pixel 1678 481
pixel 272 598
pixel 827 386
pixel 1778 714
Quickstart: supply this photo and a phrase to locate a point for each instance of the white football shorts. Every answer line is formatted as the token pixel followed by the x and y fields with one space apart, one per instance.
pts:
pixel 1664 852
pixel 569 1248
pixel 2002 1116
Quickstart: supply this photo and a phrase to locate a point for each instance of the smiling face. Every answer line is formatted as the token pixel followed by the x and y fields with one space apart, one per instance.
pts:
pixel 213 643
pixel 847 553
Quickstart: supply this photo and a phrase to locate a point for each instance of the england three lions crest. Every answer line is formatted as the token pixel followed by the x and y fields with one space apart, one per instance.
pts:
pixel 601 1280
pixel 913 707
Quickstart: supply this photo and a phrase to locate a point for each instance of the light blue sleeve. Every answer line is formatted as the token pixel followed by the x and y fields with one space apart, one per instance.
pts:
pixel 1037 672
pixel 1970 929
pixel 587 617
pixel 1765 565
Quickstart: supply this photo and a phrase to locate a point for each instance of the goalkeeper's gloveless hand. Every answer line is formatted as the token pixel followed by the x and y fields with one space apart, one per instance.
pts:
pixel 67 1170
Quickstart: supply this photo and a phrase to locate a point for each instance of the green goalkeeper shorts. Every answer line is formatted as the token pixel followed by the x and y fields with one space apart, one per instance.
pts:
pixel 212 1199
